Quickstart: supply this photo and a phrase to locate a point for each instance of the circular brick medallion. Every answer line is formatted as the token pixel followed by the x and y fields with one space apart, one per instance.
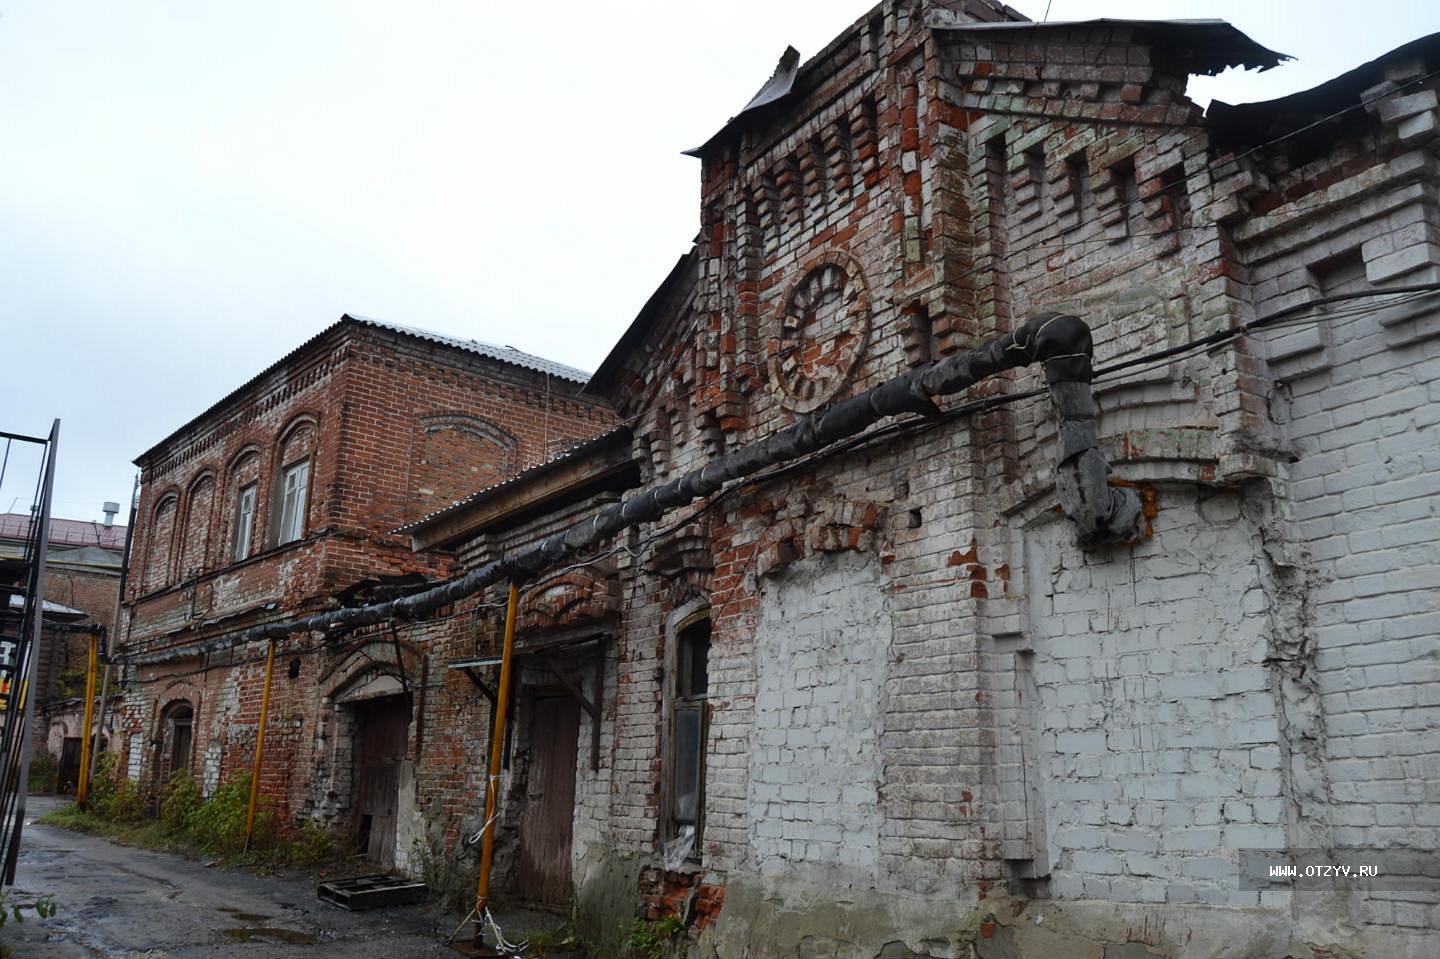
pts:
pixel 820 332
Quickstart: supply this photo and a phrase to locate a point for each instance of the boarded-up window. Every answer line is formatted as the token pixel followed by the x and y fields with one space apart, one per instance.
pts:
pixel 455 456
pixel 195 547
pixel 162 543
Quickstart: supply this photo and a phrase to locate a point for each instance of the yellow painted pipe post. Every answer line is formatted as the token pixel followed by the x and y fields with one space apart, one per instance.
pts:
pixel 92 665
pixel 259 746
pixel 497 746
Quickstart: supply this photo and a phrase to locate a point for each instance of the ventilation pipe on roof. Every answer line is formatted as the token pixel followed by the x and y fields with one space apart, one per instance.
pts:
pixel 110 509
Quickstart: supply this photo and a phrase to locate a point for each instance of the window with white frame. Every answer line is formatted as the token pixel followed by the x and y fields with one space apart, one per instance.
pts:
pixel 294 484
pixel 244 523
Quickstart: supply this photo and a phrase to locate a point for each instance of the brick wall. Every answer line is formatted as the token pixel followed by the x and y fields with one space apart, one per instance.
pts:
pixel 1062 752
pixel 393 426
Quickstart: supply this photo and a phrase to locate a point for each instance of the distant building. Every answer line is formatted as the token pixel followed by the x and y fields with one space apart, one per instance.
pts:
pixel 82 588
pixel 280 500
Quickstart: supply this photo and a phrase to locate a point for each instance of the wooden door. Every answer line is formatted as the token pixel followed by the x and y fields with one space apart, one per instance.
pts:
pixel 543 864
pixel 383 728
pixel 69 765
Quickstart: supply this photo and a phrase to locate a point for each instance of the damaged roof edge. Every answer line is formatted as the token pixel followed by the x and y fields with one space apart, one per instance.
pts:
pixel 781 82
pixel 1283 117
pixel 1218 44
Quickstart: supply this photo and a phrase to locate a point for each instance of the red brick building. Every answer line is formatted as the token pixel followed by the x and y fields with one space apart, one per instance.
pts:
pixel 279 500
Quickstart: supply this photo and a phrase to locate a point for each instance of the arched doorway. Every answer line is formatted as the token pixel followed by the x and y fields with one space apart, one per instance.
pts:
pixel 379 710
pixel 177 740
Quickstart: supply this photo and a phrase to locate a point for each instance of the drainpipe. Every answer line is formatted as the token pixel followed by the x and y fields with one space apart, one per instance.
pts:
pixel 259 746
pixel 92 664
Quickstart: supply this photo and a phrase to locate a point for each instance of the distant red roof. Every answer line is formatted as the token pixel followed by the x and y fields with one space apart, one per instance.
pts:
pixel 65 532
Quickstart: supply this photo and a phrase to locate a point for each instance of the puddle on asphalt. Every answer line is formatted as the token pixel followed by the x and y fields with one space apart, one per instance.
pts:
pixel 270 934
pixel 244 916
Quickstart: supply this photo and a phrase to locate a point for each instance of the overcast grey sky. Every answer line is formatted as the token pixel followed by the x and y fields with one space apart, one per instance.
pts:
pixel 189 189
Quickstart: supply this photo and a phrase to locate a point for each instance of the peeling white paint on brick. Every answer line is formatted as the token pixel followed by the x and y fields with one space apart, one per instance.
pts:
pixel 822 642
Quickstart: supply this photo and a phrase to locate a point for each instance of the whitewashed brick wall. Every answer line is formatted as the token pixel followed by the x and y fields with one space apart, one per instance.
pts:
pixel 823 639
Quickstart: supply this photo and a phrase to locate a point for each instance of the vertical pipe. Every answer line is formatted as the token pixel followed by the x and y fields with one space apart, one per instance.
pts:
pixel 99 722
pixel 92 666
pixel 259 746
pixel 497 746
pixel 113 638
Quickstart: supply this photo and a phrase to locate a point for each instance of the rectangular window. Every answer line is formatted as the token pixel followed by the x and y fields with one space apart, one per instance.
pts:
pixel 244 523
pixel 689 721
pixel 293 487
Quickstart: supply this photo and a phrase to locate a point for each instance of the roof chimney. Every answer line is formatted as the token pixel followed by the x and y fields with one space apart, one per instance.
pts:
pixel 110 509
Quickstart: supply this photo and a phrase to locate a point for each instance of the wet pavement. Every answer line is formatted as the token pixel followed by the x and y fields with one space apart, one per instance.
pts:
pixel 120 902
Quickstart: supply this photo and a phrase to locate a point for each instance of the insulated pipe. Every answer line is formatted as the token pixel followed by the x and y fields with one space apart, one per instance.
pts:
pixel 497 746
pixel 1058 341
pixel 92 660
pixel 259 746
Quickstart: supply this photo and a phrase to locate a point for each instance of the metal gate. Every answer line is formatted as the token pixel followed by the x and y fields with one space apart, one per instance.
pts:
pixel 543 868
pixel 383 725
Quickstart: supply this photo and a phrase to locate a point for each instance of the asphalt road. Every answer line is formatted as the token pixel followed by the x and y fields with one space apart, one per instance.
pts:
pixel 119 902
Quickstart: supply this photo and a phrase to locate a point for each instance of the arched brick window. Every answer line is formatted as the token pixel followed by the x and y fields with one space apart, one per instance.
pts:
pixel 290 507
pixel 199 516
pixel 456 455
pixel 241 514
pixel 291 501
pixel 160 550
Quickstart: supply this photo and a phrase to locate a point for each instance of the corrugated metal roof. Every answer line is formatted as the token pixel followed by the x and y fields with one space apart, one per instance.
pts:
pixel 65 532
pixel 505 354
pixel 17 601
pixel 569 452
pixel 1307 123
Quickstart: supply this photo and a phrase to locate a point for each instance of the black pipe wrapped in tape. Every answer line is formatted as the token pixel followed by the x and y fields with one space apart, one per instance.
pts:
pixel 1102 514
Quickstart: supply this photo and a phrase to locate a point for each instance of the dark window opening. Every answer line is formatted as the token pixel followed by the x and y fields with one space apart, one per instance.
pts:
pixel 689 722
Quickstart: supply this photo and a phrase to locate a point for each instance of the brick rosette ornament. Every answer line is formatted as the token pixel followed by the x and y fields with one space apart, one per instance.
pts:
pixel 820 331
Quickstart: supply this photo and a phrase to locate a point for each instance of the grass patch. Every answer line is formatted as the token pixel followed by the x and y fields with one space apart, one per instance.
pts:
pixel 199 828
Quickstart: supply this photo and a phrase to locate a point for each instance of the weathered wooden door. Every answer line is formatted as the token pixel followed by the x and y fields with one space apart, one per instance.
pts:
pixel 383 727
pixel 543 865
pixel 69 765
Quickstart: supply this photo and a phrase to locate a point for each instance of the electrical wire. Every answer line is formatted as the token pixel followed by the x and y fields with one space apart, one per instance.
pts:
pixel 1282 318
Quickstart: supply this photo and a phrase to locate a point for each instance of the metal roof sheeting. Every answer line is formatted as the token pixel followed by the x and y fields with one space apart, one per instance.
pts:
pixel 1217 44
pixel 568 453
pixel 503 354
pixel 65 532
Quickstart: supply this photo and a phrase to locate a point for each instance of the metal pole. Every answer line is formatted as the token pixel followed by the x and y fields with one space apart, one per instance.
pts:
pixel 113 638
pixel 32 666
pixel 497 746
pixel 259 746
pixel 99 725
pixel 92 665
